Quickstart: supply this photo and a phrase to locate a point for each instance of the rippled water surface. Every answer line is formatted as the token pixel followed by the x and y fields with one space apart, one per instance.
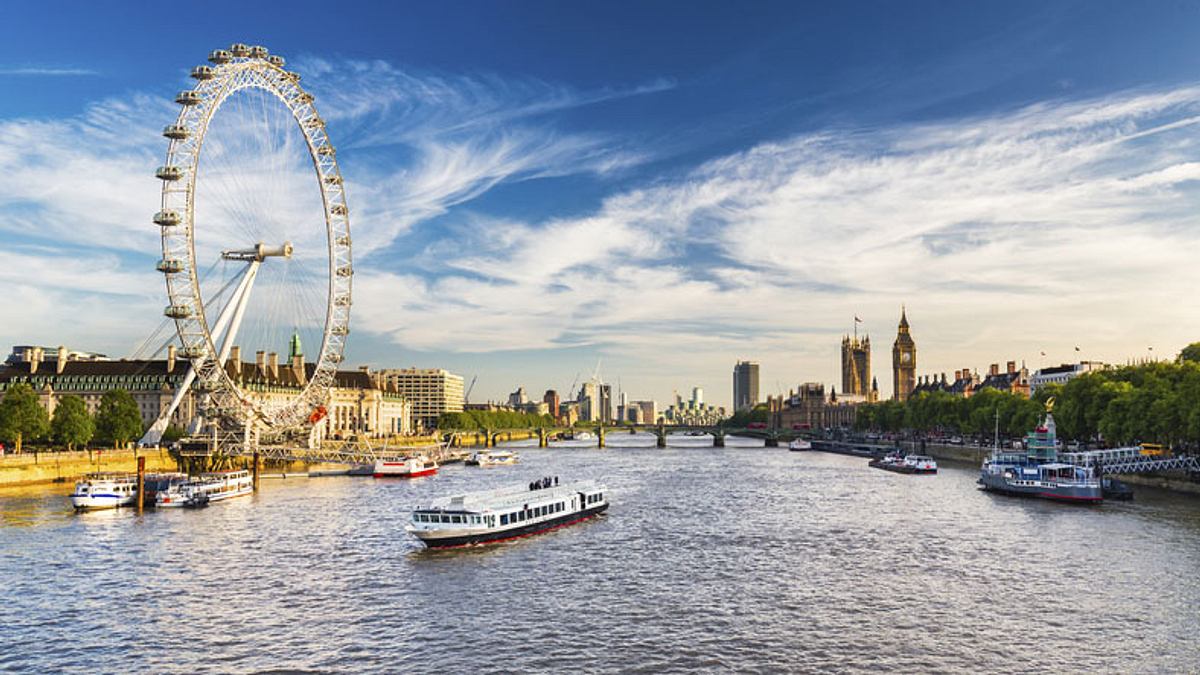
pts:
pixel 738 558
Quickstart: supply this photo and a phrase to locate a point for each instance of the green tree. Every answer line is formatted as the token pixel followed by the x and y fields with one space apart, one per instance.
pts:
pixel 118 420
pixel 72 425
pixel 22 417
pixel 172 434
pixel 1190 353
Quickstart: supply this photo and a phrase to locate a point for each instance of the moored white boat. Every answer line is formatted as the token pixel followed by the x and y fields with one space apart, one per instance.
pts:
pixel 207 488
pixel 506 513
pixel 104 491
pixel 499 458
pixel 799 445
pixel 409 467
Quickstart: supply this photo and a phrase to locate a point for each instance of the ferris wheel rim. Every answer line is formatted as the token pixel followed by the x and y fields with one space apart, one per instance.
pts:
pixel 242 67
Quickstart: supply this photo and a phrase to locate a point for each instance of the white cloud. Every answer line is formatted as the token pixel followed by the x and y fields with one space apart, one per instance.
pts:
pixel 1060 223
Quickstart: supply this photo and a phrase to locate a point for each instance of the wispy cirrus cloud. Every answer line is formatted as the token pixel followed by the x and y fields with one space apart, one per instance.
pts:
pixel 413 146
pixel 46 71
pixel 1003 233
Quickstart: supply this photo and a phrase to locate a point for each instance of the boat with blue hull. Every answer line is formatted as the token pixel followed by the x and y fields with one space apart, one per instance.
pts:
pixel 1037 472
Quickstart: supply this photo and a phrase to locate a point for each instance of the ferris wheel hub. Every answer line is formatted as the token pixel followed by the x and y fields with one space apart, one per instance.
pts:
pixel 260 252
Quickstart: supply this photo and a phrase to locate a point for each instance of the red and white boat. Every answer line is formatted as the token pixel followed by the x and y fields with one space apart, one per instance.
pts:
pixel 411 467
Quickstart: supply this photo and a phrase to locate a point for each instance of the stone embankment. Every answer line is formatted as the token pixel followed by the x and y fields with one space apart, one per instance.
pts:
pixel 29 468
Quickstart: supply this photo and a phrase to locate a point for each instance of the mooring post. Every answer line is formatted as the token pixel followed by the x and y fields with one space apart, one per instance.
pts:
pixel 719 440
pixel 661 440
pixel 600 436
pixel 256 470
pixel 141 485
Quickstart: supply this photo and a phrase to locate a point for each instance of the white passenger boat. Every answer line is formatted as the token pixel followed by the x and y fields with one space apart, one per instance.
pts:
pixel 409 467
pixel 499 458
pixel 799 445
pixel 207 488
pixel 506 513
pixel 104 491
pixel 584 436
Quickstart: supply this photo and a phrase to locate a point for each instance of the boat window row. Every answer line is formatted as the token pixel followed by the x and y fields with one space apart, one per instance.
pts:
pixel 449 518
pixel 529 514
pixel 593 499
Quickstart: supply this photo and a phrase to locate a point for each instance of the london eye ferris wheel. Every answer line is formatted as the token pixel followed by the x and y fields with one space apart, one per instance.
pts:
pixel 256 255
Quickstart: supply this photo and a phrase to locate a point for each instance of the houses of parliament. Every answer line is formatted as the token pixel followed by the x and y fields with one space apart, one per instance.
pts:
pixel 857 381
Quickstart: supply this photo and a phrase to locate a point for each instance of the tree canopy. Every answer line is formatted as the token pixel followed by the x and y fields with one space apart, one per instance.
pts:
pixel 746 416
pixel 118 420
pixel 1152 402
pixel 22 417
pixel 72 425
pixel 473 420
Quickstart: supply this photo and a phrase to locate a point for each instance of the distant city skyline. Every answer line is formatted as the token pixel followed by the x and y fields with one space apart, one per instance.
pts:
pixel 667 190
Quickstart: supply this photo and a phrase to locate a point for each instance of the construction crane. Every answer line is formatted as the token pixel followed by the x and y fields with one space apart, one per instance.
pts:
pixel 467 396
pixel 570 396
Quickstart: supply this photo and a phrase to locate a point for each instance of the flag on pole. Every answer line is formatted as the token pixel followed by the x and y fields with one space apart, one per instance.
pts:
pixel 1076 348
pixel 856 319
pixel 1043 353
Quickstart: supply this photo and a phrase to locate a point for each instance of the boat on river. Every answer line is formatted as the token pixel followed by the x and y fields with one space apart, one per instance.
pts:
pixel 107 490
pixel 207 488
pixel 800 445
pixel 1036 471
pixel 495 458
pixel 155 483
pixel 908 464
pixel 409 467
pixel 507 513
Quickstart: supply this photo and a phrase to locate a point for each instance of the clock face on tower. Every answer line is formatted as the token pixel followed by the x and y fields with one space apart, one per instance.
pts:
pixel 906 358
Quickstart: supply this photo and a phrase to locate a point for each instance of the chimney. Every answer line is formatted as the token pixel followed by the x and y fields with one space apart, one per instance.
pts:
pixel 260 363
pixel 235 357
pixel 994 369
pixel 364 369
pixel 170 358
pixel 62 360
pixel 1012 367
pixel 298 369
pixel 273 366
pixel 34 357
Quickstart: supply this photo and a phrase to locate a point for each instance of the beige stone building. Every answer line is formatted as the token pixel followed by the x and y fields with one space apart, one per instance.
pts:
pixel 432 391
pixel 361 403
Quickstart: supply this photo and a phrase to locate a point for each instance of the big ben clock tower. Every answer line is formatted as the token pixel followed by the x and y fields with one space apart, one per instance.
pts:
pixel 904 361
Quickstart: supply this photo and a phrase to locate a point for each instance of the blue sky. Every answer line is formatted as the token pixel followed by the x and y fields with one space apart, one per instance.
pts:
pixel 667 187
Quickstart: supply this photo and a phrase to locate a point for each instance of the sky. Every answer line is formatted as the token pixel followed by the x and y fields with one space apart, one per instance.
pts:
pixel 652 189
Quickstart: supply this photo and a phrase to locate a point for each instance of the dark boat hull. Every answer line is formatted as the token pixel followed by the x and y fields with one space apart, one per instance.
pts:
pixel 516 532
pixel 1071 494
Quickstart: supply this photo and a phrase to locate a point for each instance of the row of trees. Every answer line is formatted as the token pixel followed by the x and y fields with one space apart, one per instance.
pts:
pixel 473 420
pixel 744 417
pixel 24 420
pixel 1153 402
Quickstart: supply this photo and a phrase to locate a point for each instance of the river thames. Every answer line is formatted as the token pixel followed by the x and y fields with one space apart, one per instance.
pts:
pixel 739 558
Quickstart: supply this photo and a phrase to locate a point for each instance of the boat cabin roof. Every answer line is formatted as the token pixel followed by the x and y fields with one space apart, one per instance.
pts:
pixel 500 498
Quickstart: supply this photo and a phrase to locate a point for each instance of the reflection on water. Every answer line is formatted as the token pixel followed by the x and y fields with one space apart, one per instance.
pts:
pixel 737 558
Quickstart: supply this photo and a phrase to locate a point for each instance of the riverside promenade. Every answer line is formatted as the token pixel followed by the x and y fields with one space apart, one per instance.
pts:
pixel 30 468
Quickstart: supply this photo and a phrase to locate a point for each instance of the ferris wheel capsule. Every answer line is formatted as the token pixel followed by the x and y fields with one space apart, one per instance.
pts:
pixel 219 56
pixel 326 151
pixel 188 97
pixel 175 131
pixel 258 52
pixel 276 61
pixel 338 209
pixel 240 50
pixel 203 73
pixel 168 173
pixel 169 266
pixel 167 218
pixel 178 311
